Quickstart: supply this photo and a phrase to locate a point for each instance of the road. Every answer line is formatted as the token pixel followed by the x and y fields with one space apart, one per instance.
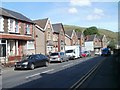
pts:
pixel 56 75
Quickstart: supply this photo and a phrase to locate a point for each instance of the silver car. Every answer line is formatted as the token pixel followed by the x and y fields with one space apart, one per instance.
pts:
pixel 58 56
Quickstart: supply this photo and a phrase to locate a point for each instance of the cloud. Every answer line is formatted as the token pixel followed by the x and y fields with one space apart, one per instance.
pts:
pixel 97 14
pixel 73 10
pixel 80 2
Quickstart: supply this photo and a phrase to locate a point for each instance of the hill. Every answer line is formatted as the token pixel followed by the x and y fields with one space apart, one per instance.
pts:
pixel 109 34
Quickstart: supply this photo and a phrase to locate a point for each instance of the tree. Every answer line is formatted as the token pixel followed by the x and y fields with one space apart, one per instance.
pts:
pixel 111 45
pixel 78 30
pixel 91 31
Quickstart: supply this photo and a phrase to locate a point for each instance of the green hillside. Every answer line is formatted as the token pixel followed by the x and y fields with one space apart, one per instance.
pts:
pixel 109 34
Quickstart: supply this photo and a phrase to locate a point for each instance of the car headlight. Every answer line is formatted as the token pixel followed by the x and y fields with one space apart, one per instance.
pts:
pixel 25 63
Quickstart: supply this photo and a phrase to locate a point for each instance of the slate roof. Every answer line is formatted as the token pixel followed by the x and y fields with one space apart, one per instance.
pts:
pixel 41 22
pixel 57 27
pixel 90 37
pixel 13 14
pixel 69 32
pixel 101 37
pixel 79 34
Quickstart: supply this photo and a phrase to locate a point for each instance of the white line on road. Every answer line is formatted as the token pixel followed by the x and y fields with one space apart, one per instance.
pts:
pixel 48 71
pixel 67 65
pixel 37 74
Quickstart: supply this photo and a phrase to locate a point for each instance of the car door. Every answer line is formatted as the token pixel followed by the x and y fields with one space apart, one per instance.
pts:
pixel 41 59
pixel 37 60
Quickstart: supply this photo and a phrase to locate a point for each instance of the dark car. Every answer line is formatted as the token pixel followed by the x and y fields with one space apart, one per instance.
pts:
pixel 32 61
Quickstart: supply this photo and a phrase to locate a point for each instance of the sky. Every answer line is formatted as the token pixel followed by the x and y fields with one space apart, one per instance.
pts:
pixel 83 13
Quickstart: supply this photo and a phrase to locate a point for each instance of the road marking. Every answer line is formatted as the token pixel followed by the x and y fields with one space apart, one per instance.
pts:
pixel 48 71
pixel 67 65
pixel 33 75
pixel 37 74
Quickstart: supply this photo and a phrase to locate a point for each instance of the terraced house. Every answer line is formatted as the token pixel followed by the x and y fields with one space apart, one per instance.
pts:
pixel 81 40
pixel 16 35
pixel 93 43
pixel 71 38
pixel 44 36
pixel 58 37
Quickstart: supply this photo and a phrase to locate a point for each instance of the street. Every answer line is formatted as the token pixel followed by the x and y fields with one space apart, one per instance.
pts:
pixel 56 75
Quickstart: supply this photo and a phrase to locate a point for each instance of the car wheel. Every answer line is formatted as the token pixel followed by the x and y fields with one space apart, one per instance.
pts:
pixel 15 68
pixel 61 61
pixel 46 64
pixel 32 66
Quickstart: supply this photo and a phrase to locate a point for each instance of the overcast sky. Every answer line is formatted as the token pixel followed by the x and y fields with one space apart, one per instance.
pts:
pixel 82 13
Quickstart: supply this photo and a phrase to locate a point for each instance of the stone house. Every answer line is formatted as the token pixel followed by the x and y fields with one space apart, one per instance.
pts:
pixel 72 34
pixel 58 37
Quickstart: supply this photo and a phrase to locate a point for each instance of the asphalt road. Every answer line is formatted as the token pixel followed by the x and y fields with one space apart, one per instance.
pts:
pixel 56 75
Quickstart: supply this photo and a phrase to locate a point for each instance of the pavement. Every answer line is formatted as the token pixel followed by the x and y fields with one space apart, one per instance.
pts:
pixel 107 76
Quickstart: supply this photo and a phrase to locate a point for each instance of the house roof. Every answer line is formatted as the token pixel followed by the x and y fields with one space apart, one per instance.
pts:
pixel 69 32
pixel 101 37
pixel 41 22
pixel 13 14
pixel 79 34
pixel 90 37
pixel 57 27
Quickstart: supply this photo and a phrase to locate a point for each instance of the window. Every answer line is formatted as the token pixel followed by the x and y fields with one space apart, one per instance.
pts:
pixel 11 25
pixel 1 23
pixel 27 29
pixel 61 48
pixel 30 44
pixel 16 27
pixel 48 34
pixel 2 48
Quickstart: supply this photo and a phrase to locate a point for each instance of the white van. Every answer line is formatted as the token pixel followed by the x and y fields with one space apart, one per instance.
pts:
pixel 72 52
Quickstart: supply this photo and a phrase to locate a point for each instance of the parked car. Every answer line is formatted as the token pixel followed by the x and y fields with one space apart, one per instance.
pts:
pixel 32 61
pixel 87 53
pixel 58 56
pixel 83 54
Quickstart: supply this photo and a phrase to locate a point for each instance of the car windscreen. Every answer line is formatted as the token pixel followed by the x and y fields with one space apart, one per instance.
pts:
pixel 53 54
pixel 68 51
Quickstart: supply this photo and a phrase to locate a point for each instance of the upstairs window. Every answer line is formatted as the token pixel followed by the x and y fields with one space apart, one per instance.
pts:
pixel 27 29
pixel 11 25
pixel 16 27
pixel 1 24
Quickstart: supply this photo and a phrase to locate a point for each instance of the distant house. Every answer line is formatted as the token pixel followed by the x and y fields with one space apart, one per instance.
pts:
pixel 72 34
pixel 81 40
pixel 92 43
pixel 44 36
pixel 58 37
pixel 68 40
pixel 16 35
pixel 103 41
